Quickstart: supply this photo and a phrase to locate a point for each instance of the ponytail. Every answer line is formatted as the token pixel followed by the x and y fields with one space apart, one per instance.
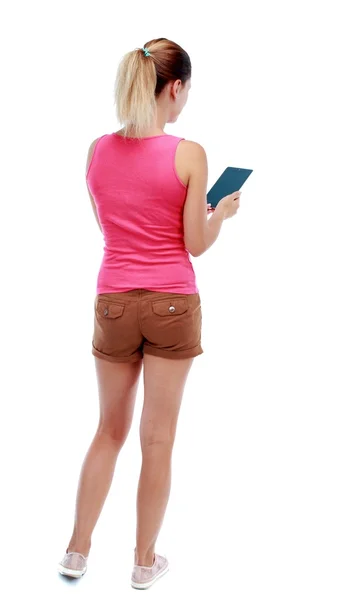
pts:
pixel 141 76
pixel 134 92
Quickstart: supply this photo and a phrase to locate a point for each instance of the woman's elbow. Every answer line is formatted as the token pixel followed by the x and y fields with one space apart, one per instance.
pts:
pixel 196 251
pixel 195 246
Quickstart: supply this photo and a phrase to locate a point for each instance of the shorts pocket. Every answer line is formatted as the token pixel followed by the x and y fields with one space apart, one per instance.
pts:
pixel 109 310
pixel 171 307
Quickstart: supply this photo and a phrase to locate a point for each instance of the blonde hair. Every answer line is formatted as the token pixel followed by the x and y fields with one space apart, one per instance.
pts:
pixel 141 76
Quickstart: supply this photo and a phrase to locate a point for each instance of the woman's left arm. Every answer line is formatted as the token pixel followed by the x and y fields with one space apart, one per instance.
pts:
pixel 90 154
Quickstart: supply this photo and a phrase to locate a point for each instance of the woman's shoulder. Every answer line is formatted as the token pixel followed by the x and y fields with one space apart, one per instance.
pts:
pixel 190 158
pixel 192 150
pixel 95 142
pixel 91 151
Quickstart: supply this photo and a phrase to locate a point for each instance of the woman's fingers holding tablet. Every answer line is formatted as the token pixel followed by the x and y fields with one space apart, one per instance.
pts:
pixel 230 204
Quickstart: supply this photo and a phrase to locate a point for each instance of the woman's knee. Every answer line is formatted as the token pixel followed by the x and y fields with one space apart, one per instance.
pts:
pixel 116 433
pixel 159 440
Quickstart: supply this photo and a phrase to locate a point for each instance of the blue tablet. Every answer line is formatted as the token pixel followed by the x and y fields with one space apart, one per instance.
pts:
pixel 230 181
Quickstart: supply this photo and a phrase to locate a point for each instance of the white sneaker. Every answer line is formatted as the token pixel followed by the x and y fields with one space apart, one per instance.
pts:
pixel 73 564
pixel 143 577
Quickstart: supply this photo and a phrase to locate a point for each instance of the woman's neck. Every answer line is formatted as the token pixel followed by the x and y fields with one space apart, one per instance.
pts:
pixel 153 131
pixel 156 129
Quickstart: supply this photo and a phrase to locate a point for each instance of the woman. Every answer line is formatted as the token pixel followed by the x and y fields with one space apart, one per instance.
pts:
pixel 148 193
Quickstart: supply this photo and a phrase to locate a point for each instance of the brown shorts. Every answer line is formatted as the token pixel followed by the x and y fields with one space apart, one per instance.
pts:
pixel 128 324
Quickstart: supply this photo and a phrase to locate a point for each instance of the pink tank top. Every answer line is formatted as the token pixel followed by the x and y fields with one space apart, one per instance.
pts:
pixel 139 199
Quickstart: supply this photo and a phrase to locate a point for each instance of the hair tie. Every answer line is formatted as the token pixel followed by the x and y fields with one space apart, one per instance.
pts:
pixel 146 51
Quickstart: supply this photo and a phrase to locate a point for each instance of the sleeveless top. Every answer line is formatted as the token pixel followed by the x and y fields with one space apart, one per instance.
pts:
pixel 139 200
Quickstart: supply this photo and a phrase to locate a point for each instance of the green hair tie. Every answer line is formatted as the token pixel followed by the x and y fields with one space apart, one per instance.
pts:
pixel 146 51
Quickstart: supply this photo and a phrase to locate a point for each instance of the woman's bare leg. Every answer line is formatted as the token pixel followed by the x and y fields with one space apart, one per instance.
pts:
pixel 164 381
pixel 117 384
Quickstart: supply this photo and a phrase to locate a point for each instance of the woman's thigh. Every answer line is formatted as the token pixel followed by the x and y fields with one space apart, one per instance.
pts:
pixel 117 386
pixel 164 382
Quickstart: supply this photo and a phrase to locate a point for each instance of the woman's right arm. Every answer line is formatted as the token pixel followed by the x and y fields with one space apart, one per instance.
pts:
pixel 199 231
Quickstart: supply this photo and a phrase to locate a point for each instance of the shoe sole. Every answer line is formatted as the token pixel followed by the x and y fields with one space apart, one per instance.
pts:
pixel 144 586
pixel 70 572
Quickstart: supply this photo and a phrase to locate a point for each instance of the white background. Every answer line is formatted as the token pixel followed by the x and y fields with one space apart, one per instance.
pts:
pixel 265 499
